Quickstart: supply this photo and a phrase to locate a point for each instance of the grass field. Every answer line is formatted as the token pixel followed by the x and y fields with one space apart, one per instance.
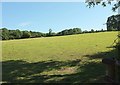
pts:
pixel 73 58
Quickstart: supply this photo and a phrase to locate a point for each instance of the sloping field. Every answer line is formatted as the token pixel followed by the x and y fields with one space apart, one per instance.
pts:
pixel 73 58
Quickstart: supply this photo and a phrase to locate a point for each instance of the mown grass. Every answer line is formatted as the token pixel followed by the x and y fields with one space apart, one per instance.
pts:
pixel 73 58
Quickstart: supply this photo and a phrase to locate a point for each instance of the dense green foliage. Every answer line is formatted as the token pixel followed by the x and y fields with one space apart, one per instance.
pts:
pixel 70 31
pixel 17 34
pixel 113 22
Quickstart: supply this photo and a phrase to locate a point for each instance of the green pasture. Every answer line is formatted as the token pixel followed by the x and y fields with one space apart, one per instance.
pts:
pixel 61 59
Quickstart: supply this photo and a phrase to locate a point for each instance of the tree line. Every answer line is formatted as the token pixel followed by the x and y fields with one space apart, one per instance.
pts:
pixel 17 34
pixel 70 31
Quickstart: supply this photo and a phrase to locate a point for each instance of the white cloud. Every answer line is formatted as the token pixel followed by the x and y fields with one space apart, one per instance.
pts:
pixel 24 24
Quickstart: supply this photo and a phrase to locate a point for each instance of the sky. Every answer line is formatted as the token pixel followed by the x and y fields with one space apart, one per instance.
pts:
pixel 43 0
pixel 42 16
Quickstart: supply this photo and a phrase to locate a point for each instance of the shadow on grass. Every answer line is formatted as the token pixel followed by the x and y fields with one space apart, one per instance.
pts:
pixel 21 71
pixel 18 71
pixel 100 55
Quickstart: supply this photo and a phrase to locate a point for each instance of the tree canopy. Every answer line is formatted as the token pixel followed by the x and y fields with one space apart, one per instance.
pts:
pixel 104 3
pixel 7 34
pixel 113 22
